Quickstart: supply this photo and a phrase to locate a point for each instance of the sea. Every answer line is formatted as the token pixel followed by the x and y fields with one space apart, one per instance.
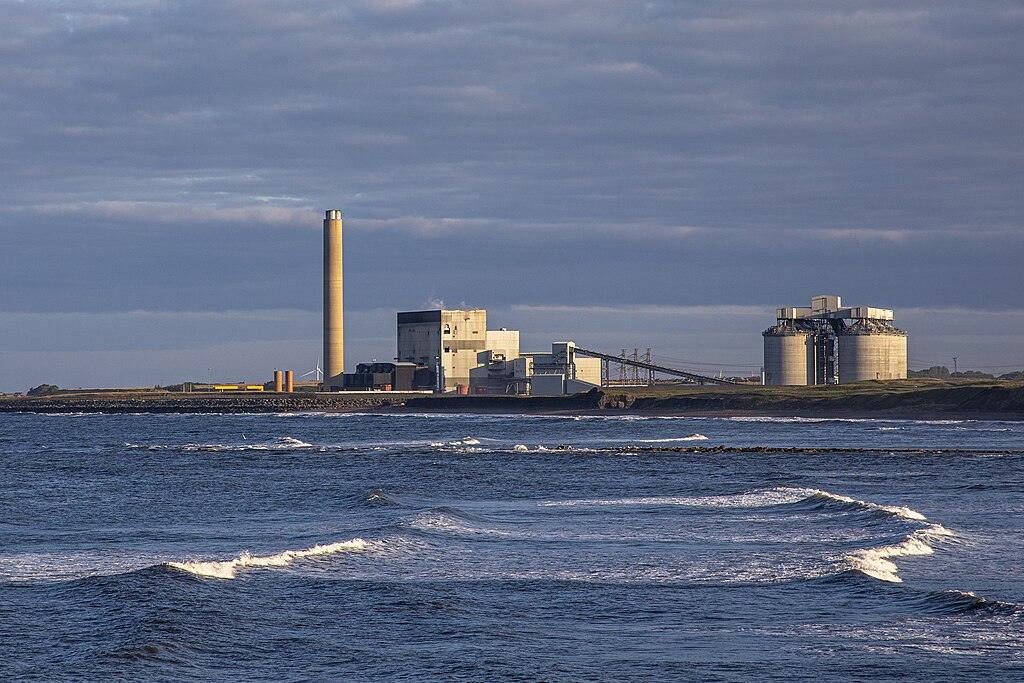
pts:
pixel 456 547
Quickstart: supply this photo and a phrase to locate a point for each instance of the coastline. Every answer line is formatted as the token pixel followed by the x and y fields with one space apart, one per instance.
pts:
pixel 167 402
pixel 909 400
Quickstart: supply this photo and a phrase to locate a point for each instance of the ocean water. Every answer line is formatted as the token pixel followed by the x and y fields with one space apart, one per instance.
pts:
pixel 490 547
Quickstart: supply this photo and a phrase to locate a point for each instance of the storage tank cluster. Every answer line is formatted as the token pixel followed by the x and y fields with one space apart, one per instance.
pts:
pixel 827 343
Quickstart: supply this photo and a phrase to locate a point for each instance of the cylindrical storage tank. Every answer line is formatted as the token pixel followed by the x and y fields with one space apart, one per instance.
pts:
pixel 872 353
pixel 278 381
pixel 788 356
pixel 289 381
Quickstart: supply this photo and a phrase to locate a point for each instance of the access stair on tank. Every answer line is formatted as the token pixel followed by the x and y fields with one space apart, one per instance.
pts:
pixel 693 377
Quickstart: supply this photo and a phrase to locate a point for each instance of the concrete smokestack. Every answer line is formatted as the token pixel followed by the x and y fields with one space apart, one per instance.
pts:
pixel 334 299
pixel 278 381
pixel 289 381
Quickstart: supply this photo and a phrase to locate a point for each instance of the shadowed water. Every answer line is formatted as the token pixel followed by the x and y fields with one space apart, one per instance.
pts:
pixel 412 547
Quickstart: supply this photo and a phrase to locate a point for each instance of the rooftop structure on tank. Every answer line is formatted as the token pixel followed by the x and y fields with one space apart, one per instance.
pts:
pixel 827 343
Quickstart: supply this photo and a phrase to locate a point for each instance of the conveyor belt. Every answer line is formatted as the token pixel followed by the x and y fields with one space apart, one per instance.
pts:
pixel 699 379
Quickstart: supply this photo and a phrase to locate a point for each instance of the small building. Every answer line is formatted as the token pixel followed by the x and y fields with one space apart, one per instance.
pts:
pixel 450 342
pixel 557 373
pixel 389 377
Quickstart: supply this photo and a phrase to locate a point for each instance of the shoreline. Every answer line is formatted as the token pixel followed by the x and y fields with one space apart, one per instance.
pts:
pixel 905 400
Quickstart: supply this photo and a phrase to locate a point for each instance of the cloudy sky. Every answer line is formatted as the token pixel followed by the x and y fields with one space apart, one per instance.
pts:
pixel 627 174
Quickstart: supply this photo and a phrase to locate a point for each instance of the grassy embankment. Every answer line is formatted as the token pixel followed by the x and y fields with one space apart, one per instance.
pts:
pixel 909 398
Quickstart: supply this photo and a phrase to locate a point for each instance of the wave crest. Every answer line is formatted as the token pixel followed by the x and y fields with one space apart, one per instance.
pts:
pixel 228 569
pixel 877 562
pixel 812 498
pixel 825 498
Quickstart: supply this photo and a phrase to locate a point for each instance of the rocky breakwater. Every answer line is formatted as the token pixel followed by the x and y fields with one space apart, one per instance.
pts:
pixel 591 400
pixel 166 402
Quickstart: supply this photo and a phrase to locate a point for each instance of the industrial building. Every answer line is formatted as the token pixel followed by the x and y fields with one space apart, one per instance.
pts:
pixel 557 373
pixel 450 340
pixel 390 377
pixel 827 343
pixel 452 350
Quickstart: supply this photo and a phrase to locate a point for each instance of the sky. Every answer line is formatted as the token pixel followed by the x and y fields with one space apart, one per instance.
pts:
pixel 624 174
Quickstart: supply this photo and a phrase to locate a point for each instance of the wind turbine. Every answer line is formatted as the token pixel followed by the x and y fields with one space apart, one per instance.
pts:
pixel 318 370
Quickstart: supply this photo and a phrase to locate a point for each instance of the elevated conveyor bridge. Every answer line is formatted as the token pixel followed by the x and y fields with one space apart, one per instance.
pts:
pixel 693 377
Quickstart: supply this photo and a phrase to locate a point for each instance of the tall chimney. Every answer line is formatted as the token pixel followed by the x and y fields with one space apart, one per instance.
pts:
pixel 334 299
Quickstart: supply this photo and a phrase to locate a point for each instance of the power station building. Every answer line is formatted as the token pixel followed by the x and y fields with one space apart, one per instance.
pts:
pixel 557 373
pixel 445 349
pixel 827 343
pixel 450 340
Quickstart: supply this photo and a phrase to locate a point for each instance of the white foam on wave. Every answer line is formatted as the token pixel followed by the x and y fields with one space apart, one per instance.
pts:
pixel 464 446
pixel 32 412
pixel 753 499
pixel 63 566
pixel 691 437
pixel 877 562
pixel 895 510
pixel 227 569
pixel 523 448
pixel 292 442
pixel 852 420
pixel 465 441
pixel 439 521
pixel 282 443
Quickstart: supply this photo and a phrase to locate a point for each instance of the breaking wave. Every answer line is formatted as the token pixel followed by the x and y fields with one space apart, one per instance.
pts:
pixel 691 437
pixel 818 499
pixel 753 499
pixel 378 498
pixel 960 602
pixel 453 521
pixel 878 562
pixel 228 569
pixel 810 498
pixel 292 442
pixel 279 444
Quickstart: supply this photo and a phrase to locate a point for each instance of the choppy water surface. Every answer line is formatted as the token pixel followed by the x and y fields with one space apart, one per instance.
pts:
pixel 362 547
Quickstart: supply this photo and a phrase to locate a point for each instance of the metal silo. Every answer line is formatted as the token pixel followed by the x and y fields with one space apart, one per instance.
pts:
pixel 788 355
pixel 872 350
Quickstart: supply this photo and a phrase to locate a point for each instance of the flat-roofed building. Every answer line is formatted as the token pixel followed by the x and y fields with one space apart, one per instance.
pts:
pixel 556 373
pixel 451 340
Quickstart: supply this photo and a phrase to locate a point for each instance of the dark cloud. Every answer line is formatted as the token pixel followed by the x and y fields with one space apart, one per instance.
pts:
pixel 174 156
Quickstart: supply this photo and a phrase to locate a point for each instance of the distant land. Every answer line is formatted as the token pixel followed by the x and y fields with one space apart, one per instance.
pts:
pixel 898 399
